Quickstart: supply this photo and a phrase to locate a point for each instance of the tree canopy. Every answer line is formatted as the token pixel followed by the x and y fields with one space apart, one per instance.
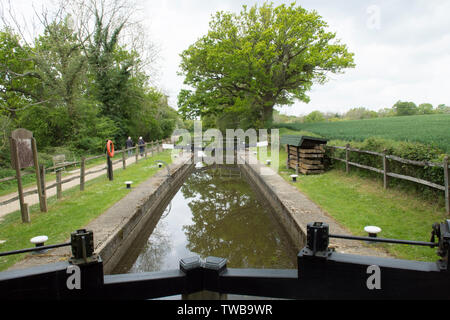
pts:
pixel 74 88
pixel 403 108
pixel 251 61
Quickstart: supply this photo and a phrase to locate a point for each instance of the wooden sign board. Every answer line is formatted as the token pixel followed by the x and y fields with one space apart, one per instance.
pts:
pixel 22 138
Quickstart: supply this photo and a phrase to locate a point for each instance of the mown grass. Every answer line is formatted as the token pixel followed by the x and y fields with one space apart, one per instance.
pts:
pixel 74 211
pixel 428 129
pixel 354 202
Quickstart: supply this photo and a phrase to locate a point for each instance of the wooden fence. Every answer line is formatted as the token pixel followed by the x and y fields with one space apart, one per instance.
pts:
pixel 150 147
pixel 386 174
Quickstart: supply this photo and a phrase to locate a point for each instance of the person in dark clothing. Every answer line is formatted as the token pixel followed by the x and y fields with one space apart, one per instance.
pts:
pixel 129 144
pixel 141 144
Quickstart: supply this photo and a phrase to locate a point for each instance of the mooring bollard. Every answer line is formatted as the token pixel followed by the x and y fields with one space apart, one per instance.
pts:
pixel 372 231
pixel 199 165
pixel 128 183
pixel 39 242
pixel 294 177
pixel 268 161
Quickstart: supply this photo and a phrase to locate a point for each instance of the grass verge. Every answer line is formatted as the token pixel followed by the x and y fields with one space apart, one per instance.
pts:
pixel 74 211
pixel 355 202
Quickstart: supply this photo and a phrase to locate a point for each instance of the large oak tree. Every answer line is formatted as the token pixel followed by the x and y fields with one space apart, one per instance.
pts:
pixel 252 61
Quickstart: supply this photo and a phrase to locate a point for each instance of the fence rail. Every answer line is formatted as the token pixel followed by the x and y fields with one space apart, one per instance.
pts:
pixel 154 146
pixel 385 171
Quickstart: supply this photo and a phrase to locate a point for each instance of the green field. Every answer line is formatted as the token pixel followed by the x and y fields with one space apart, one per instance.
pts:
pixel 428 129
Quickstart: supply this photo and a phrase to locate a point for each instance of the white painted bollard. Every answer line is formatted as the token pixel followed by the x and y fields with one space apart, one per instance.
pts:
pixel 268 161
pixel 372 231
pixel 294 177
pixel 39 242
pixel 128 183
pixel 199 165
pixel 159 165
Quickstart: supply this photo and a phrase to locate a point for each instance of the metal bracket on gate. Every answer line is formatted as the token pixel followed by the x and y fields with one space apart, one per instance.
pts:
pixel 442 232
pixel 317 240
pixel 82 242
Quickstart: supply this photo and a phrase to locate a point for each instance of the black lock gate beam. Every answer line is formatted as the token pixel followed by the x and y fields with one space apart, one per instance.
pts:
pixel 321 274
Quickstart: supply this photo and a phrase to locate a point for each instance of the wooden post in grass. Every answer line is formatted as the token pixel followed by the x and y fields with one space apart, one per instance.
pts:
pixel 23 207
pixel 110 169
pixel 42 200
pixel 385 170
pixel 82 173
pixel 151 148
pixel 137 152
pixel 446 185
pixel 58 184
pixel 21 157
pixel 44 191
pixel 347 166
pixel 124 159
pixel 145 150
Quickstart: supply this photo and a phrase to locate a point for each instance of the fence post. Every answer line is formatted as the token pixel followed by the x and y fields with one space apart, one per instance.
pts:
pixel 124 159
pixel 446 185
pixel 44 191
pixel 110 169
pixel 23 206
pixel 145 149
pixel 151 148
pixel 347 166
pixel 42 206
pixel 385 170
pixel 82 172
pixel 137 152
pixel 58 184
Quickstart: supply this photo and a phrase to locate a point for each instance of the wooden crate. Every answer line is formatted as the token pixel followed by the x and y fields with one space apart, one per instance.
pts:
pixel 306 153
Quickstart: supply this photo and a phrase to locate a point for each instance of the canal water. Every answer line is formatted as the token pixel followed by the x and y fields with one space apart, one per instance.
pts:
pixel 214 213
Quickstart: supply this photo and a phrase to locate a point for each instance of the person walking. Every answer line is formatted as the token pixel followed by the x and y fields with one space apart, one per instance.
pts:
pixel 141 144
pixel 129 144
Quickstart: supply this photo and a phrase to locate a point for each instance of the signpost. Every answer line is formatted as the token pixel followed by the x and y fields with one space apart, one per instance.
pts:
pixel 24 155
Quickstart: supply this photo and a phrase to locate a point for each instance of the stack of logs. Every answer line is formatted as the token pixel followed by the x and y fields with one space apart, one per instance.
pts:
pixel 309 161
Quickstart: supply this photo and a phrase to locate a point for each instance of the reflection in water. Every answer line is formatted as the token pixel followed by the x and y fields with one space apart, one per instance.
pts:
pixel 216 213
pixel 154 251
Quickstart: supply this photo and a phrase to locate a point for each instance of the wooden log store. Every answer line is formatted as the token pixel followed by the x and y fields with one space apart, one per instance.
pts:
pixel 305 153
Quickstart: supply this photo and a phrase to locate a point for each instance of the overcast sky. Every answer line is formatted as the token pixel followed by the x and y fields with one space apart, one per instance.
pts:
pixel 402 48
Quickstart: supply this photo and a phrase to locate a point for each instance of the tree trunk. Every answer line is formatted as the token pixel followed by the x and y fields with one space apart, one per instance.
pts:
pixel 267 116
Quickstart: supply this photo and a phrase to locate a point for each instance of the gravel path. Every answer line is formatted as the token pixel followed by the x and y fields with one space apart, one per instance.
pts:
pixel 33 198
